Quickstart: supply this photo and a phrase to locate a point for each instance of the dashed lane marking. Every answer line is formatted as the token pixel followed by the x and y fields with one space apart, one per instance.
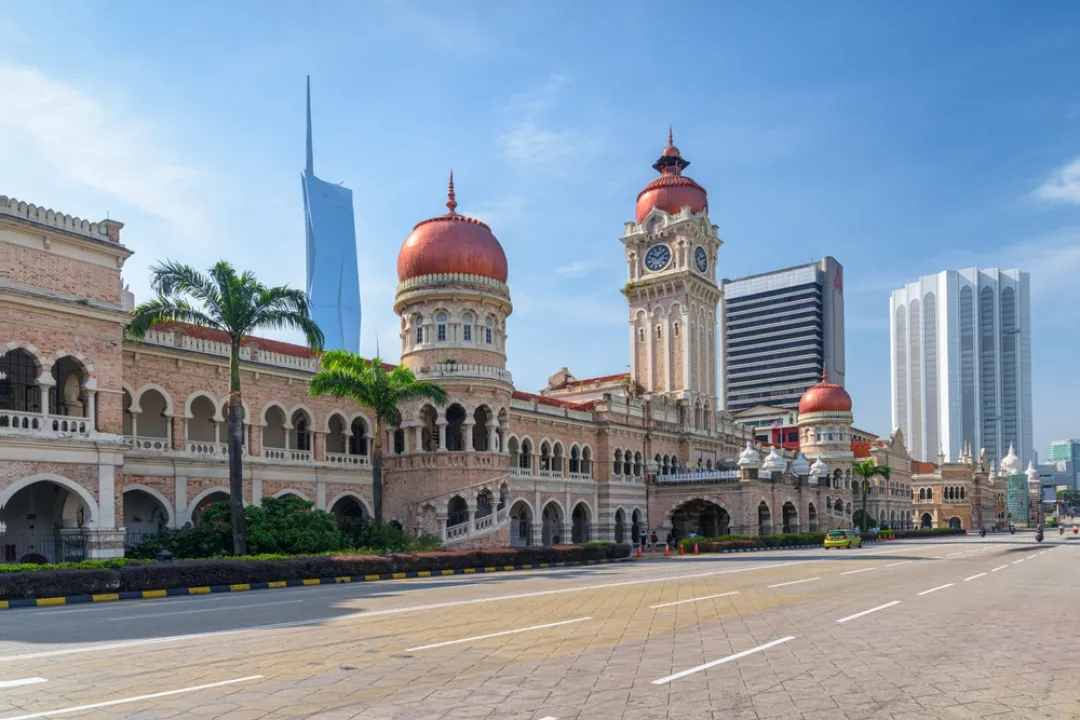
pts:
pixel 867 612
pixel 691 600
pixel 999 567
pixel 498 634
pixel 20 683
pixel 794 582
pixel 862 570
pixel 974 576
pixel 935 589
pixel 721 661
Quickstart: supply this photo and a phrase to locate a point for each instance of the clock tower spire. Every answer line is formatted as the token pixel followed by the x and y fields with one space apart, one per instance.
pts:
pixel 671 251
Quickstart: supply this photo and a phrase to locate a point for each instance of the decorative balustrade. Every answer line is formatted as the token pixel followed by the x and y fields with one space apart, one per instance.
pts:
pixel 286 455
pixel 456 532
pixel 466 370
pixel 202 345
pixel 208 449
pixel 149 444
pixel 521 472
pixel 544 473
pixel 308 364
pixel 347 459
pixel 556 410
pixel 580 476
pixel 14 422
pixel 705 476
pixel 222 349
pixel 483 523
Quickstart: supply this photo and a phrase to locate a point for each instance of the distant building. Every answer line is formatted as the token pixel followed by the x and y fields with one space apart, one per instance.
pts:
pixel 1066 451
pixel 779 330
pixel 333 282
pixel 961 363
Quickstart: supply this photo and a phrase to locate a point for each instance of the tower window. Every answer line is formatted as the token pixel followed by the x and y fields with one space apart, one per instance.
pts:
pixel 466 327
pixel 440 327
pixel 487 331
pixel 675 329
pixel 659 332
pixel 641 334
pixel 418 321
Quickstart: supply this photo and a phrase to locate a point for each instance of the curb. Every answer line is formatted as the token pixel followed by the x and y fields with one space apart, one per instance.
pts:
pixel 744 550
pixel 279 584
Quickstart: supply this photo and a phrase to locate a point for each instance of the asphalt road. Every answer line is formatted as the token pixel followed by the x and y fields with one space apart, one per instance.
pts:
pixel 957 628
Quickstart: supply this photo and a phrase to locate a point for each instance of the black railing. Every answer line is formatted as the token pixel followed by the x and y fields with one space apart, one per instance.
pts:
pixel 41 548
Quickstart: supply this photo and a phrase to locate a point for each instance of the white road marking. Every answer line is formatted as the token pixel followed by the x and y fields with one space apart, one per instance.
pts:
pixel 867 612
pixel 794 582
pixel 852 572
pixel 721 661
pixel 498 634
pixel 999 567
pixel 680 602
pixel 974 576
pixel 897 564
pixel 953 554
pixel 137 698
pixel 549 718
pixel 1017 562
pixel 1030 556
pixel 935 589
pixel 20 683
pixel 203 610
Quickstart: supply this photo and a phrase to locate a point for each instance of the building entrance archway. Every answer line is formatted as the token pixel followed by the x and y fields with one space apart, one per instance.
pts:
pixel 705 518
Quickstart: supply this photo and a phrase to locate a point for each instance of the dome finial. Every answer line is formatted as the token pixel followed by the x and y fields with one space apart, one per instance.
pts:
pixel 451 201
pixel 670 137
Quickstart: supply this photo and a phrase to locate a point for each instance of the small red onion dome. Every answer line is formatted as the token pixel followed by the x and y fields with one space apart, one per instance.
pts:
pixel 451 243
pixel 672 190
pixel 825 397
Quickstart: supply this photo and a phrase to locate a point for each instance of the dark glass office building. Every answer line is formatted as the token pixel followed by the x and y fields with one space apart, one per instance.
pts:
pixel 779 329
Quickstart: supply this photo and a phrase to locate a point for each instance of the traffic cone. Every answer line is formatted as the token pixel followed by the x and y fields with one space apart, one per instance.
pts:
pixel 695 549
pixel 682 550
pixel 667 550
pixel 640 549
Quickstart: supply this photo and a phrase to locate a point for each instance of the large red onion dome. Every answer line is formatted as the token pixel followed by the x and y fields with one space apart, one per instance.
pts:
pixel 825 397
pixel 672 190
pixel 451 243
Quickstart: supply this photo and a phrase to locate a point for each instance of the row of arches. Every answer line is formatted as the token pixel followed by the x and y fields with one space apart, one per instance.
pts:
pixel 452 429
pixel 65 389
pixel 704 518
pixel 552 528
pixel 551 460
pixel 443 326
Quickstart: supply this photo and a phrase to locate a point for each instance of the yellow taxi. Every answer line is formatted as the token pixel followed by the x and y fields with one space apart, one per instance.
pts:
pixel 842 539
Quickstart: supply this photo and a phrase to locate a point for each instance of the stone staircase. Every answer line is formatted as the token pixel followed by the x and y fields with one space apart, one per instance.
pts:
pixel 483 531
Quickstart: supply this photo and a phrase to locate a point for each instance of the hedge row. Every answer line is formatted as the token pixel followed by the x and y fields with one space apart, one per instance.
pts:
pixel 926 532
pixel 198 573
pixel 741 542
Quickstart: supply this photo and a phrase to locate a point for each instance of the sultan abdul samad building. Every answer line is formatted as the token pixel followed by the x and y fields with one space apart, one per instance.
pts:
pixel 100 436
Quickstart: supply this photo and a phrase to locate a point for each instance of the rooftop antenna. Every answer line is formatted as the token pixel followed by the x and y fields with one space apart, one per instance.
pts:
pixel 310 151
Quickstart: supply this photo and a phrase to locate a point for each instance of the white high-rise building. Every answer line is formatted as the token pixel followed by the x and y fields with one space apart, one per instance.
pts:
pixel 961 363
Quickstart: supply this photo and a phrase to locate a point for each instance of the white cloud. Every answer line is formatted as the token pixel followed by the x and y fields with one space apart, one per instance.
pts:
pixel 54 129
pixel 580 268
pixel 530 143
pixel 1063 185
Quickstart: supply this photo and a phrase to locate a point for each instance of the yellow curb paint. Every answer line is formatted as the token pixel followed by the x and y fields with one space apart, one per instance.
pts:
pixel 312 581
pixel 526 567
pixel 240 586
pixel 203 590
pixel 508 567
pixel 277 584
pixel 424 573
pixel 399 576
pixel 45 602
pixel 106 597
pixel 343 579
pixel 371 577
pixel 491 569
pixel 447 572
pixel 3 604
pixel 469 570
pixel 148 594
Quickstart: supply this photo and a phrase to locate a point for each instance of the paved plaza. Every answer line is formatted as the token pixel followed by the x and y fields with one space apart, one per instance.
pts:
pixel 968 628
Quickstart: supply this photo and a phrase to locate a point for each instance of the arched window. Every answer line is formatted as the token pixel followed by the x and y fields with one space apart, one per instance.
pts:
pixel 488 331
pixel 659 332
pixel 440 327
pixel 675 329
pixel 418 322
pixel 641 334
pixel 466 327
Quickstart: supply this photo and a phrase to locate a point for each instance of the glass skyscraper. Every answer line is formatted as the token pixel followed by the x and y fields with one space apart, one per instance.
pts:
pixel 961 363
pixel 333 283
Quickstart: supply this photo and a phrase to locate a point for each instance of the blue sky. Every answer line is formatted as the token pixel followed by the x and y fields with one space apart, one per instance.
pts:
pixel 902 138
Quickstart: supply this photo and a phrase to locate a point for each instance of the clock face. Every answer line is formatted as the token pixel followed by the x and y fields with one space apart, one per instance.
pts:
pixel 657 257
pixel 702 259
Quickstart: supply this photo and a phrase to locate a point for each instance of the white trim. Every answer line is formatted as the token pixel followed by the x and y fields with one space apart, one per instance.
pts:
pixel 156 494
pixel 136 398
pixel 88 500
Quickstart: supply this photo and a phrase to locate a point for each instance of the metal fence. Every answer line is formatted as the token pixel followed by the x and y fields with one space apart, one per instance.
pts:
pixel 57 546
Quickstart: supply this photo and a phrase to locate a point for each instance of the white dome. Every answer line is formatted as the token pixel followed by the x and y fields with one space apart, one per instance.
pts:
pixel 819 469
pixel 774 462
pixel 800 466
pixel 1010 464
pixel 1033 477
pixel 749 458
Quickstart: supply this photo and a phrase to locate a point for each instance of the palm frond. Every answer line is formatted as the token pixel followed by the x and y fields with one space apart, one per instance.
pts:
pixel 166 309
pixel 172 278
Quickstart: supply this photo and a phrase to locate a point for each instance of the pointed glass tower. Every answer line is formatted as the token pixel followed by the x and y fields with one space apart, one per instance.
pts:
pixel 333 283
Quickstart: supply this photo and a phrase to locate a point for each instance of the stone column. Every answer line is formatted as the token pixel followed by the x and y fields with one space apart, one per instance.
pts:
pixel 440 425
pixel 493 436
pixel 44 387
pixel 91 399
pixel 471 504
pixel 467 434
pixel 419 438
pixel 442 525
pixel 134 428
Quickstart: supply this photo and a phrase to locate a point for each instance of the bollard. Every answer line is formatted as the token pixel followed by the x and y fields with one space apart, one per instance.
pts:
pixel 640 550
pixel 682 550
pixel 695 549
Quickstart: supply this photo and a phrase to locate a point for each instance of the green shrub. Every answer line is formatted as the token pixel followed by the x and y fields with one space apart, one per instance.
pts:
pixel 738 542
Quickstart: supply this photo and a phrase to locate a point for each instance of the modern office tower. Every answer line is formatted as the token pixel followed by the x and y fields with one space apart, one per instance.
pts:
pixel 333 283
pixel 1066 451
pixel 780 329
pixel 961 363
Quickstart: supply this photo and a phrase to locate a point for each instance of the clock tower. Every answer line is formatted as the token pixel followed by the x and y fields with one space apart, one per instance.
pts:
pixel 671 251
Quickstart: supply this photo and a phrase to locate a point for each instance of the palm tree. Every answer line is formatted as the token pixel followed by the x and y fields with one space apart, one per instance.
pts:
pixel 867 469
pixel 237 305
pixel 368 383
